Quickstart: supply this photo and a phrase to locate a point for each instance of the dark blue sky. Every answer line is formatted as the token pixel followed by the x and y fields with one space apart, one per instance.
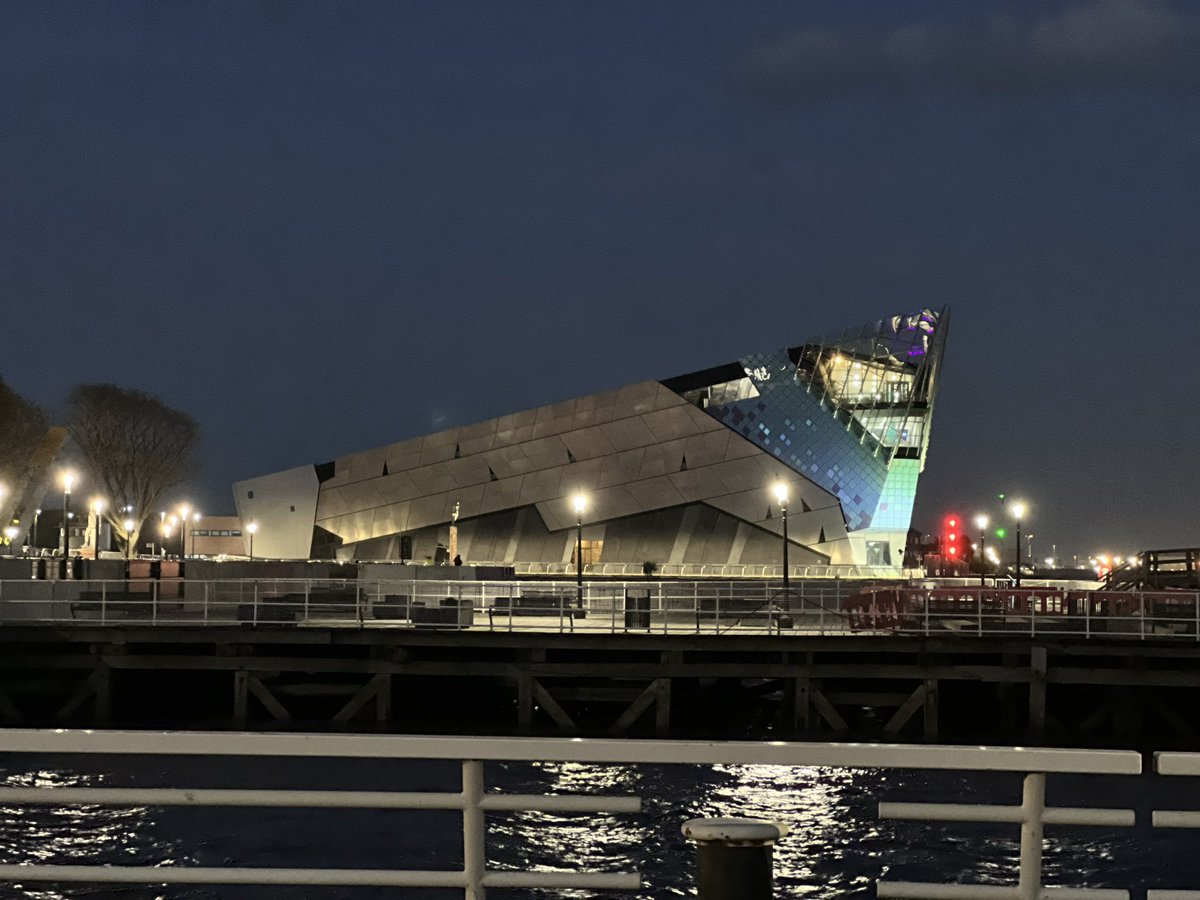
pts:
pixel 325 227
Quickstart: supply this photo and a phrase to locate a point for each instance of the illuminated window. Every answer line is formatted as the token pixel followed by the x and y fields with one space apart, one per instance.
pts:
pixel 591 553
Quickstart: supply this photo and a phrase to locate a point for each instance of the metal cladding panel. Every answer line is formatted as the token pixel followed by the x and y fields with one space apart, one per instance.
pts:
pixel 546 452
pixel 670 423
pixel 539 486
pixel 502 494
pixel 432 479
pixel 588 443
pixel 662 459
pixel 627 433
pixel 284 507
pixel 618 468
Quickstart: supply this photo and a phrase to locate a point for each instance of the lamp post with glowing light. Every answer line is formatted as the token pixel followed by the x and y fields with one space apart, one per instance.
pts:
pixel 33 538
pixel 251 528
pixel 195 522
pixel 981 523
pixel 96 509
pixel 68 480
pixel 11 533
pixel 129 526
pixel 580 502
pixel 781 497
pixel 184 512
pixel 1018 513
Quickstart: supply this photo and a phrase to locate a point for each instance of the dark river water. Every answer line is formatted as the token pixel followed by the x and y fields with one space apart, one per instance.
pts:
pixel 837 846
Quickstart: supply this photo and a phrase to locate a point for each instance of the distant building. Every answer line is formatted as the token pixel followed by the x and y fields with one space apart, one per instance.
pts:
pixel 216 536
pixel 675 472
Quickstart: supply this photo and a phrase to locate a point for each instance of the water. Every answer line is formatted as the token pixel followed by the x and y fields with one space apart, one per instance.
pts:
pixel 837 845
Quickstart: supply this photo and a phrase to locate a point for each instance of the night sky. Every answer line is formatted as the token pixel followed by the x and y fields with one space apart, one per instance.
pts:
pixel 324 227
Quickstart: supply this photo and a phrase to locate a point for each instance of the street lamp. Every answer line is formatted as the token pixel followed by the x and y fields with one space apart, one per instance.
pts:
pixel 981 522
pixel 1018 513
pixel 129 526
pixel 580 502
pixel 184 512
pixel 33 538
pixel 195 522
pixel 251 528
pixel 781 496
pixel 68 479
pixel 96 508
pixel 11 533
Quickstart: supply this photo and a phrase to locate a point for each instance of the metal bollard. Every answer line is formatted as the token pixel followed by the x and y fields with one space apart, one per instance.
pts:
pixel 734 857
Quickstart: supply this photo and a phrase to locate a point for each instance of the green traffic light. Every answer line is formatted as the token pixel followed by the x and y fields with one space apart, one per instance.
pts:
pixel 1001 533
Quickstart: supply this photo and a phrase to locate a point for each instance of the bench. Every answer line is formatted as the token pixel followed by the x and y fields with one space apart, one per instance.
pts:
pixel 94 605
pixel 448 613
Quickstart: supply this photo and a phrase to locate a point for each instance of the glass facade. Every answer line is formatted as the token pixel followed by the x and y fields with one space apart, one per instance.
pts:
pixel 850 413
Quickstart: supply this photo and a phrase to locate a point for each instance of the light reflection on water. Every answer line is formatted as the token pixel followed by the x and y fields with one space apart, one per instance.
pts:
pixel 836 846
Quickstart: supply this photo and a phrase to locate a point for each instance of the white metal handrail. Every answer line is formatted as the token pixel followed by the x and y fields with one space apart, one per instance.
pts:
pixel 474 802
pixel 1175 763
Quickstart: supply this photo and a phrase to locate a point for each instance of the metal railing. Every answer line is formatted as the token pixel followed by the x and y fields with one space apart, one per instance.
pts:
pixel 666 606
pixel 1051 610
pixel 710 570
pixel 1175 763
pixel 474 801
pixel 608 607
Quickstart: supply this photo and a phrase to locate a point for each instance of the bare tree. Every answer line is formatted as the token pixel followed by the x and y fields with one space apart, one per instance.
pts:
pixel 23 431
pixel 135 447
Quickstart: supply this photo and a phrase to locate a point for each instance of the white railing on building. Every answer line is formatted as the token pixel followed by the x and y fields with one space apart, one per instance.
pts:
pixel 474 801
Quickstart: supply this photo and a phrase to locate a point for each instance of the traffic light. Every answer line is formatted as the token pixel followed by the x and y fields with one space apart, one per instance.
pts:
pixel 952 537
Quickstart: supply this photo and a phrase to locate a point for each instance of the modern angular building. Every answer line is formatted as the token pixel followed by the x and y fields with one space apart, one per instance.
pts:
pixel 675 472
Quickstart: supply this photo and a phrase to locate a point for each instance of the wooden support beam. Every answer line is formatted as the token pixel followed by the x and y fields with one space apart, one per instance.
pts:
pixel 874 699
pixel 1038 665
pixel 267 699
pixel 652 694
pixel 360 699
pixel 591 693
pixel 931 710
pixel 825 708
pixel 316 689
pixel 901 716
pixel 103 695
pixel 94 687
pixel 1175 721
pixel 524 703
pixel 383 700
pixel 566 725
pixel 662 709
pixel 802 705
pixel 240 698
pixel 8 710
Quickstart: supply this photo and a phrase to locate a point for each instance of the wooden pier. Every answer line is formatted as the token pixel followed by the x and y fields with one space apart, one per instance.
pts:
pixel 1115 691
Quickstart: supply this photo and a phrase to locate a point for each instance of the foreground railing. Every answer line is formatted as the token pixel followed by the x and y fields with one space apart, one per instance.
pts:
pixel 475 802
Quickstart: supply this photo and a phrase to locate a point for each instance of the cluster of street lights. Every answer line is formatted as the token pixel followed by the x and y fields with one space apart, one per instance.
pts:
pixel 96 508
pixel 183 517
pixel 1017 510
